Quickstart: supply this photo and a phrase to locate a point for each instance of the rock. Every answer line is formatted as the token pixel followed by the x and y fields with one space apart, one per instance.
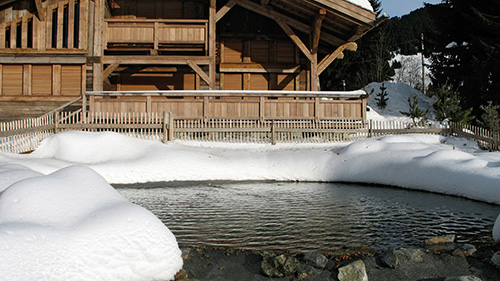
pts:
pixel 465 250
pixel 315 259
pixel 305 271
pixel 185 254
pixel 412 255
pixel 181 275
pixel 440 240
pixel 330 265
pixel 463 278
pixel 389 259
pixel 495 260
pixel 355 271
pixel 279 266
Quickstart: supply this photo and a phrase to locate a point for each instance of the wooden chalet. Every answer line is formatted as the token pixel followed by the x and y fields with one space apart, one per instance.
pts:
pixel 55 51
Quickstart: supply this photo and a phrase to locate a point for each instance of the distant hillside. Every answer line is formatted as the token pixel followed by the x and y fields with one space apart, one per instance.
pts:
pixel 404 33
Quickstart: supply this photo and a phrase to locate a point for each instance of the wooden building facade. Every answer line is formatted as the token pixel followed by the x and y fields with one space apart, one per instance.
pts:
pixel 54 51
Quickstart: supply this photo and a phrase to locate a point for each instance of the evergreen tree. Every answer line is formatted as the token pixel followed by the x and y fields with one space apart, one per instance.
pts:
pixel 467 49
pixel 490 118
pixel 448 106
pixel 417 115
pixel 382 97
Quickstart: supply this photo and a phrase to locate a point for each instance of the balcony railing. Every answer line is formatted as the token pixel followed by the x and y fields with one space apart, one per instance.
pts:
pixel 162 35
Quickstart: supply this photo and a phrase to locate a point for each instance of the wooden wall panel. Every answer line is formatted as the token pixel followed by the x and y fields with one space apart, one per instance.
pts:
pixel 158 81
pixel 259 51
pixel 12 83
pixel 41 80
pixel 285 82
pixel 233 81
pixel 71 80
pixel 285 52
pixel 233 50
pixel 259 81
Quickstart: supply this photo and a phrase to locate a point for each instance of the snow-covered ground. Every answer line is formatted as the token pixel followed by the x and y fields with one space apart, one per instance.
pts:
pixel 59 218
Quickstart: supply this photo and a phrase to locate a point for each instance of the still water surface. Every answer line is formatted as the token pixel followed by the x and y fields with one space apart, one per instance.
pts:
pixel 309 216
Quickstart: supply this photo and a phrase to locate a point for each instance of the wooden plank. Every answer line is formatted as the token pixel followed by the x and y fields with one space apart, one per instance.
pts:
pixel 2 35
pixel 258 68
pixel 110 69
pixel 84 15
pixel 316 30
pixel 48 59
pixel 172 60
pixel 27 72
pixel 60 24
pixel 24 30
pixel 41 80
pixel 56 79
pixel 12 84
pixel 1 80
pixel 13 35
pixel 71 23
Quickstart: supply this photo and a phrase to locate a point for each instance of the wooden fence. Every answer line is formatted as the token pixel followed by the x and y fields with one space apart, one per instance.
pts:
pixel 26 135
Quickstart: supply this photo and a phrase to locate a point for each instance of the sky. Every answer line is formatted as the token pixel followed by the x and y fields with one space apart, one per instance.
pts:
pixel 402 7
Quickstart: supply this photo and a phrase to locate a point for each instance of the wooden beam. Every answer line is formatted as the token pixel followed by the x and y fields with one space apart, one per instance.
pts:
pixel 212 47
pixel 302 27
pixel 289 32
pixel 158 60
pixel 223 11
pixel 110 69
pixel 316 30
pixel 199 71
pixel 264 2
pixel 351 46
pixel 40 11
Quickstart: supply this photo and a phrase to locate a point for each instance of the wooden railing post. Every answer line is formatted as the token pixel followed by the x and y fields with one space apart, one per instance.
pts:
pixel 56 122
pixel 165 126
pixel 168 127
pixel 370 127
pixel 273 133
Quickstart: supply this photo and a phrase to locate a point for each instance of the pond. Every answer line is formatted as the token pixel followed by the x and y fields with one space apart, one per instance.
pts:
pixel 309 216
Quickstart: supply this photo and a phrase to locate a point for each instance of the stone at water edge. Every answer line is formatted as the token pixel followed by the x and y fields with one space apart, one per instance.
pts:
pixel 465 250
pixel 315 259
pixel 463 278
pixel 389 259
pixel 440 240
pixel 355 271
pixel 495 260
pixel 496 230
pixel 279 266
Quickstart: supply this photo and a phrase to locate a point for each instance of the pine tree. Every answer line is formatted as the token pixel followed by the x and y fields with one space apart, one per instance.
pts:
pixel 448 106
pixel 417 115
pixel 382 97
pixel 467 49
pixel 490 118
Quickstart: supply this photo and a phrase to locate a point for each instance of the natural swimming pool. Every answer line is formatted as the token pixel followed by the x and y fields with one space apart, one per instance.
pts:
pixel 303 216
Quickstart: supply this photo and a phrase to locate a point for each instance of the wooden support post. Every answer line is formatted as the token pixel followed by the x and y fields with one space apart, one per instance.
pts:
pixel 97 77
pixel 40 10
pixel 149 107
pixel 27 73
pixel 60 20
pixel 56 79
pixel 273 133
pixel 212 44
pixel 317 113
pixel 262 108
pixel 165 126
pixel 199 71
pixel 171 126
pixel 205 108
pixel 56 122
pixel 110 69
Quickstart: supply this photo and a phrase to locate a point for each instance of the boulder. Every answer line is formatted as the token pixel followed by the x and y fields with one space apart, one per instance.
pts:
pixel 355 271
pixel 440 240
pixel 280 265
pixel 389 259
pixel 411 255
pixel 315 259
pixel 495 259
pixel 465 250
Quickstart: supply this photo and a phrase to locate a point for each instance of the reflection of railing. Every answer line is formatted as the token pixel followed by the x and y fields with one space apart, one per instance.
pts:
pixel 157 34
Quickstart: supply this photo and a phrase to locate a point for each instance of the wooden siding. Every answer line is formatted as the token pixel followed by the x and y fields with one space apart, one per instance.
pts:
pixel 158 9
pixel 41 80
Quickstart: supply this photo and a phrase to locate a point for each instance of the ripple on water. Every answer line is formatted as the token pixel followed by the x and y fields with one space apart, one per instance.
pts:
pixel 309 216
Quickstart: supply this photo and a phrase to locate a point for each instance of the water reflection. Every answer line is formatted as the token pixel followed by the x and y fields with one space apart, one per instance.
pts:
pixel 309 216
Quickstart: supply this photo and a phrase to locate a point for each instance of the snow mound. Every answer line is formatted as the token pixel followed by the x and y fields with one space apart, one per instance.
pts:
pixel 398 94
pixel 496 230
pixel 72 224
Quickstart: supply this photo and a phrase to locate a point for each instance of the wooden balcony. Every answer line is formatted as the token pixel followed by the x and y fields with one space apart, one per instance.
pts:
pixel 158 35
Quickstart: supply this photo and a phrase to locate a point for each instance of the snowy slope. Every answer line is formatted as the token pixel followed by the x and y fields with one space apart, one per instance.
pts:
pixel 398 94
pixel 362 3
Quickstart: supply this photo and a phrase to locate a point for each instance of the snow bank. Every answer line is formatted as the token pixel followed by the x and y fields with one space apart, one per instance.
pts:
pixel 72 224
pixel 421 162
